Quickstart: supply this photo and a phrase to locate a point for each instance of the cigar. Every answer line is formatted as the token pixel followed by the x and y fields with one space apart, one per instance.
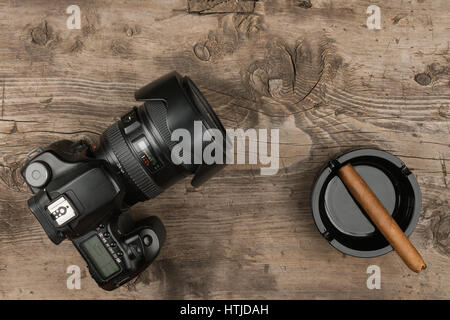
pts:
pixel 378 214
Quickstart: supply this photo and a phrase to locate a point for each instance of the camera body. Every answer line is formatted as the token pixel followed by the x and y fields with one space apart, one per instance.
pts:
pixel 80 197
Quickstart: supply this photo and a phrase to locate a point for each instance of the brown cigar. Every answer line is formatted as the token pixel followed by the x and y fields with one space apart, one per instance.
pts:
pixel 381 218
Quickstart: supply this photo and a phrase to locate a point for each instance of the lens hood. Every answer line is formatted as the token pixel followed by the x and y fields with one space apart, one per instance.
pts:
pixel 177 92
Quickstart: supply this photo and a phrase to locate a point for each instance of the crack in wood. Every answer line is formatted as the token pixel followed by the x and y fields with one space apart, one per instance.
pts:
pixel 444 170
pixel 221 6
pixel 3 99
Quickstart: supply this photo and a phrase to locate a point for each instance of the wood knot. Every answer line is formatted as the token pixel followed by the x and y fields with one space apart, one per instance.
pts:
pixel 233 30
pixel 121 48
pixel 201 51
pixel 423 78
pixel 131 31
pixel 41 34
pixel 290 74
pixel 303 4
pixel 77 46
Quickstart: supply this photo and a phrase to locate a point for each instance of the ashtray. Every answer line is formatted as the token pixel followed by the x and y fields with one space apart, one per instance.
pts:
pixel 340 219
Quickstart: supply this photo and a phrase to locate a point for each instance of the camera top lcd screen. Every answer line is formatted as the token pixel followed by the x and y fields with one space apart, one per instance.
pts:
pixel 97 253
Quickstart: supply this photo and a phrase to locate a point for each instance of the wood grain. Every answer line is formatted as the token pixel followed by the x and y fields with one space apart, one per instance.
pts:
pixel 313 70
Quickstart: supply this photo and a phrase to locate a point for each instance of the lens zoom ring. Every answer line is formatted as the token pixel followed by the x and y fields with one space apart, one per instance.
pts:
pixel 158 113
pixel 132 168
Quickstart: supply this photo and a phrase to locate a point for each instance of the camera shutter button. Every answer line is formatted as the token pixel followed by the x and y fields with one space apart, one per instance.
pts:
pixel 37 174
pixel 147 241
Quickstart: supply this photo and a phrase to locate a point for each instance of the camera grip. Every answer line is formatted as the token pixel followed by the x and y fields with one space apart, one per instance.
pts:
pixel 146 240
pixel 156 225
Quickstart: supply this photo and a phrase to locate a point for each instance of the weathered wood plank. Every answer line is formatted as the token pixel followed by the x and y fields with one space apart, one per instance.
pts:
pixel 314 71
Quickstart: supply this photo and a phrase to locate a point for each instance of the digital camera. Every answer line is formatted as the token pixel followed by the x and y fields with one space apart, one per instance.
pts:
pixel 83 192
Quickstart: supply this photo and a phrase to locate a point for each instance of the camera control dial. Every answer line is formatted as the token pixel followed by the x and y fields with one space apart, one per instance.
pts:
pixel 37 174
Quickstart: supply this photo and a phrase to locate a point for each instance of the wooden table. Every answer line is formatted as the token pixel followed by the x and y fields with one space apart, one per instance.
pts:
pixel 313 69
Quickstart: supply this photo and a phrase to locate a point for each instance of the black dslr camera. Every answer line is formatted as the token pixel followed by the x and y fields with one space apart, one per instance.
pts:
pixel 84 192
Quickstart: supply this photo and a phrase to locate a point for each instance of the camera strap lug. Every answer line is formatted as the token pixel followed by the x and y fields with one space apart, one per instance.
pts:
pixel 33 151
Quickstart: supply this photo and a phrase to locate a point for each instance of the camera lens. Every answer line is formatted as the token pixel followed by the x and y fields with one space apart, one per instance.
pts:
pixel 140 144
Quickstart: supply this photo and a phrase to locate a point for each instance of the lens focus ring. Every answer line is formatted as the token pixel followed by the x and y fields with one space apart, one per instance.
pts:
pixel 129 164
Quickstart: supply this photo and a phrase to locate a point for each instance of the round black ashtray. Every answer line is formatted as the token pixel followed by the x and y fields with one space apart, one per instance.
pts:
pixel 341 220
